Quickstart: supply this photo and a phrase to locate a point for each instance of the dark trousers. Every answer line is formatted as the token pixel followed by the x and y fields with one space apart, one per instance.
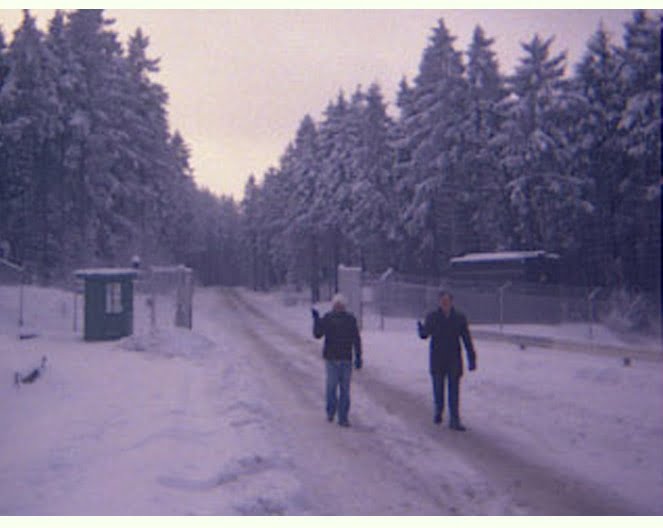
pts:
pixel 454 394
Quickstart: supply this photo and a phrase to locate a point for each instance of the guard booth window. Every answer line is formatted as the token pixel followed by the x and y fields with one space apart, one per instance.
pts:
pixel 113 298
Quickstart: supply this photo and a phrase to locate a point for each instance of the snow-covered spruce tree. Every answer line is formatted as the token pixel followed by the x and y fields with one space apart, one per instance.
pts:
pixel 486 190
pixel 601 156
pixel 339 135
pixel 29 125
pixel 254 207
pixel 94 146
pixel 5 193
pixel 228 265
pixel 253 233
pixel 148 167
pixel 434 116
pixel 406 247
pixel 64 188
pixel 536 147
pixel 374 211
pixel 300 166
pixel 275 189
pixel 639 229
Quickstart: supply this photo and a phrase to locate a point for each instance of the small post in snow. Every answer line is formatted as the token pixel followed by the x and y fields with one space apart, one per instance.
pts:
pixel 590 306
pixel 20 305
pixel 383 294
pixel 501 295
pixel 75 310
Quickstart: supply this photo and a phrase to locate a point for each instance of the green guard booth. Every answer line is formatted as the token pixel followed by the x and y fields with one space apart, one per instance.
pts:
pixel 108 303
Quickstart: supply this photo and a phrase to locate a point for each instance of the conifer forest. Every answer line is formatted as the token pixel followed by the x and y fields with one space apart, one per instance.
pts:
pixel 560 157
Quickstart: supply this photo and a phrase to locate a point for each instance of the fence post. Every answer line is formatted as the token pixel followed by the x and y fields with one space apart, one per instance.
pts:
pixel 383 294
pixel 20 304
pixel 75 310
pixel 590 306
pixel 349 284
pixel 501 295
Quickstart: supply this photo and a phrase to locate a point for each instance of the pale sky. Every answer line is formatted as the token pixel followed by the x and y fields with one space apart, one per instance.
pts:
pixel 240 81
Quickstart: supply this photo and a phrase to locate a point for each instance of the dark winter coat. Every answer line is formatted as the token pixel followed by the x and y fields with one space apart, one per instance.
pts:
pixel 446 333
pixel 341 334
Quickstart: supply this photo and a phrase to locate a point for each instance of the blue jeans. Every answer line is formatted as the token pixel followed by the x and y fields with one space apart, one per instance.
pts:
pixel 338 376
pixel 454 397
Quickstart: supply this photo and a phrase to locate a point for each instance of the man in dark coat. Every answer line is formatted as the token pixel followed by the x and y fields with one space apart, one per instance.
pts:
pixel 446 326
pixel 341 332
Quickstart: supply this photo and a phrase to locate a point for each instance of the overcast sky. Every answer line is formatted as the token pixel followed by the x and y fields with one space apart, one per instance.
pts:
pixel 241 81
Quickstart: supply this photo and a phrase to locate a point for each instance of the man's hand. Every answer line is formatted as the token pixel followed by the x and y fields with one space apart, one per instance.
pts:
pixel 358 362
pixel 420 329
pixel 315 313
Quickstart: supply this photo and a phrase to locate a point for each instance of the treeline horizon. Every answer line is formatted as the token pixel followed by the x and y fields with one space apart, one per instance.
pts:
pixel 566 161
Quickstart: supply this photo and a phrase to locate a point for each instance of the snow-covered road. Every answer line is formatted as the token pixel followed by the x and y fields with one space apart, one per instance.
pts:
pixel 340 471
pixel 229 419
pixel 482 471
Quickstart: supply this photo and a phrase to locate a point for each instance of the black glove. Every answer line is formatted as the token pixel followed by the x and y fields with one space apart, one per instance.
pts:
pixel 315 313
pixel 472 365
pixel 358 362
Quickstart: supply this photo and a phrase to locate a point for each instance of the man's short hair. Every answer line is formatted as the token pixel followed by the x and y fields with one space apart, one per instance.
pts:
pixel 339 300
pixel 446 292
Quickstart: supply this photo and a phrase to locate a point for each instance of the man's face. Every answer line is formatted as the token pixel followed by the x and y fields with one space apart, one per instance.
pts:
pixel 446 303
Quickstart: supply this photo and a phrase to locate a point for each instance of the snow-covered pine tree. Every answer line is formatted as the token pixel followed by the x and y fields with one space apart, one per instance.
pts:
pixel 300 163
pixel 640 229
pixel 29 108
pixel 332 204
pixel 434 123
pixel 601 156
pixel 180 221
pixel 275 189
pixel 150 173
pixel 62 193
pixel 407 256
pixel 374 211
pixel 486 194
pixel 536 148
pixel 4 153
pixel 251 208
pixel 94 146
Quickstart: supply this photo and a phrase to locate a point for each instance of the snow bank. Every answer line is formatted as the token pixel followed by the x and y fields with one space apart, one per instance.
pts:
pixel 168 342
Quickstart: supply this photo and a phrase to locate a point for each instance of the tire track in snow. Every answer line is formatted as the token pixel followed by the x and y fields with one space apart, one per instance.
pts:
pixel 536 488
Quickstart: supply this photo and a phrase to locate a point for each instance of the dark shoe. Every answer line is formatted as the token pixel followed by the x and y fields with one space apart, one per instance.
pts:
pixel 437 419
pixel 457 426
pixel 344 423
pixel 330 417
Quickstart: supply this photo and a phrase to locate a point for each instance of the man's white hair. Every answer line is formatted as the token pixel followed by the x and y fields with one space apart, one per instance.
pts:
pixel 339 300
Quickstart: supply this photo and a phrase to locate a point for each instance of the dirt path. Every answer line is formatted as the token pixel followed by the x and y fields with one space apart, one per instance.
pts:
pixel 507 483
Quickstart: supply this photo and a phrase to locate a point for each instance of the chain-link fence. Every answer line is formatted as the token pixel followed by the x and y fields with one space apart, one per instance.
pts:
pixel 165 297
pixel 12 280
pixel 397 296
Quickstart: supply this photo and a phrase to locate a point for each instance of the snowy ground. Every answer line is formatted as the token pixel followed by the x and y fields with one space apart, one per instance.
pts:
pixel 229 420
